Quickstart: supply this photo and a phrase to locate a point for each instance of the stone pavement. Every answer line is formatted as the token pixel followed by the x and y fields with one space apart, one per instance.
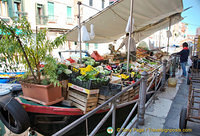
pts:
pixel 164 113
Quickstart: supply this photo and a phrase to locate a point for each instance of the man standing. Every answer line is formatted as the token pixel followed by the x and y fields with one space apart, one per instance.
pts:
pixel 132 47
pixel 184 53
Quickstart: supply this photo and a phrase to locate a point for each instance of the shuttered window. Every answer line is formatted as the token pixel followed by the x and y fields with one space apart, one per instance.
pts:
pixel 91 2
pixel 86 46
pixel 69 14
pixel 103 4
pixel 51 10
pixel 17 8
pixel 95 46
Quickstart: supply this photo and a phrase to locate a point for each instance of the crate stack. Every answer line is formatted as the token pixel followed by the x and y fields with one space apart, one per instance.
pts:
pixel 82 98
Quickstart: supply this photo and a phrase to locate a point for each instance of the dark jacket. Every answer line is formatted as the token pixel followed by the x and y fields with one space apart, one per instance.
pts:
pixel 184 55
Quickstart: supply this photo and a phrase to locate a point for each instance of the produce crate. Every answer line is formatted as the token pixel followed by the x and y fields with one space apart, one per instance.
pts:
pixel 75 72
pixel 103 99
pixel 90 84
pixel 82 98
pixel 130 95
pixel 64 88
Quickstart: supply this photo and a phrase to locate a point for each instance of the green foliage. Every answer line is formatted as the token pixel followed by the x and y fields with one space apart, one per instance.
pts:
pixel 36 47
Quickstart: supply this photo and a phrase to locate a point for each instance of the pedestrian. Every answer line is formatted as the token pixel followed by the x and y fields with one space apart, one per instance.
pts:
pixel 132 47
pixel 184 53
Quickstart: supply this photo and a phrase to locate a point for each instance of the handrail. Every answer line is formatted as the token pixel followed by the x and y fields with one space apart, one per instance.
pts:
pixel 84 117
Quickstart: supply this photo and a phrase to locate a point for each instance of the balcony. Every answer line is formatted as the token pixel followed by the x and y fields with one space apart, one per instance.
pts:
pixel 52 19
pixel 70 21
pixel 41 20
pixel 6 19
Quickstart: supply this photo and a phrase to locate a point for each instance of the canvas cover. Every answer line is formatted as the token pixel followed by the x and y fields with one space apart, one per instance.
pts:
pixel 149 17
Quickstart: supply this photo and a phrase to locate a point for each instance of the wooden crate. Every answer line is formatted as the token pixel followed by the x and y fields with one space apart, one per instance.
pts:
pixel 64 84
pixel 103 99
pixel 82 98
pixel 129 95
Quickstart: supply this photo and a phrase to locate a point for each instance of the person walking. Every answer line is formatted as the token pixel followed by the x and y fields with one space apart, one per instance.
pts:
pixel 184 53
pixel 132 47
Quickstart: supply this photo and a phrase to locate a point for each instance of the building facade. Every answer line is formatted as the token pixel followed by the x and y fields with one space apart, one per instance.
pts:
pixel 198 31
pixel 55 15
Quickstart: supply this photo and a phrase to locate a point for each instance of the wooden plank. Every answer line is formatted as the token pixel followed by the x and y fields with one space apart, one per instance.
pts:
pixel 73 99
pixel 103 97
pixel 92 104
pixel 84 90
pixel 79 106
pixel 92 100
pixel 82 98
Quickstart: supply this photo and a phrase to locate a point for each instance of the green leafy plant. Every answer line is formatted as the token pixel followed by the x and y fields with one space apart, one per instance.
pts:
pixel 20 45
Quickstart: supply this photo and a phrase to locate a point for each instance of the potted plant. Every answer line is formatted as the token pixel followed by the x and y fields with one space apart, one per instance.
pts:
pixel 20 45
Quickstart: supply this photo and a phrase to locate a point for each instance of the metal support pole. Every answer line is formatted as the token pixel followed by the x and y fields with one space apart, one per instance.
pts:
pixel 79 29
pixel 168 36
pixel 113 116
pixel 142 98
pixel 164 72
pixel 129 38
pixel 86 127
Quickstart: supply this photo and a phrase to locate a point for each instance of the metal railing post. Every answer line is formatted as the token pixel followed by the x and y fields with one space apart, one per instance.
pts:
pixel 113 116
pixel 142 98
pixel 164 72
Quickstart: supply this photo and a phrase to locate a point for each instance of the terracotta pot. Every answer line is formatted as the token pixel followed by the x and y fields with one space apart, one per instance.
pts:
pixel 43 94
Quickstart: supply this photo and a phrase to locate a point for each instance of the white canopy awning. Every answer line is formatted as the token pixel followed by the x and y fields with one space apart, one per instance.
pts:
pixel 149 17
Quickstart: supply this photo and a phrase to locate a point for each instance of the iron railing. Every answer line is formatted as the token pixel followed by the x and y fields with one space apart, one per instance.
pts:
pixel 158 79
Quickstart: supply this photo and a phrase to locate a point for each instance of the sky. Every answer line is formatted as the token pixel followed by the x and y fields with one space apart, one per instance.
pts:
pixel 192 15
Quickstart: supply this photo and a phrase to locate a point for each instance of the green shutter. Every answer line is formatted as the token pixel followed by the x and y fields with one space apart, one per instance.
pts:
pixel 96 46
pixel 22 5
pixel 51 10
pixel 10 7
pixel 15 10
pixel 19 1
pixel 87 46
pixel 69 12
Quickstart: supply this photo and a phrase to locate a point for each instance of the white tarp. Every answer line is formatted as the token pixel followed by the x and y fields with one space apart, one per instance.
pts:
pixel 149 17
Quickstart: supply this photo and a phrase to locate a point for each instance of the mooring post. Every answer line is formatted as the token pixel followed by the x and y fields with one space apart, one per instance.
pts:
pixel 164 72
pixel 142 98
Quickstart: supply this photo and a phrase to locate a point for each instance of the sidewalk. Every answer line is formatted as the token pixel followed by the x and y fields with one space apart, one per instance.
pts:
pixel 164 113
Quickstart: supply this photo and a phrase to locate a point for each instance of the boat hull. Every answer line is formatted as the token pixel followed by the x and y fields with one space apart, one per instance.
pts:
pixel 47 124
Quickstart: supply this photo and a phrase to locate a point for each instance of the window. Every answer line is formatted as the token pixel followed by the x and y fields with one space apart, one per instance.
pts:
pixel 86 46
pixel 91 2
pixel 95 46
pixel 17 8
pixel 51 10
pixel 40 17
pixel 69 14
pixel 3 8
pixel 103 3
pixel 111 2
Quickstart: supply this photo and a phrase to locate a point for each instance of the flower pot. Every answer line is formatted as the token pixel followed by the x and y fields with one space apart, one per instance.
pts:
pixel 43 94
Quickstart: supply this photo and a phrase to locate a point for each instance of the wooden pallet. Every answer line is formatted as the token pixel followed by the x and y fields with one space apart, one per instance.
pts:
pixel 82 98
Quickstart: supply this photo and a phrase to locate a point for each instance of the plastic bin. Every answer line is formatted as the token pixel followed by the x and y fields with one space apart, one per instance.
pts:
pixel 110 90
